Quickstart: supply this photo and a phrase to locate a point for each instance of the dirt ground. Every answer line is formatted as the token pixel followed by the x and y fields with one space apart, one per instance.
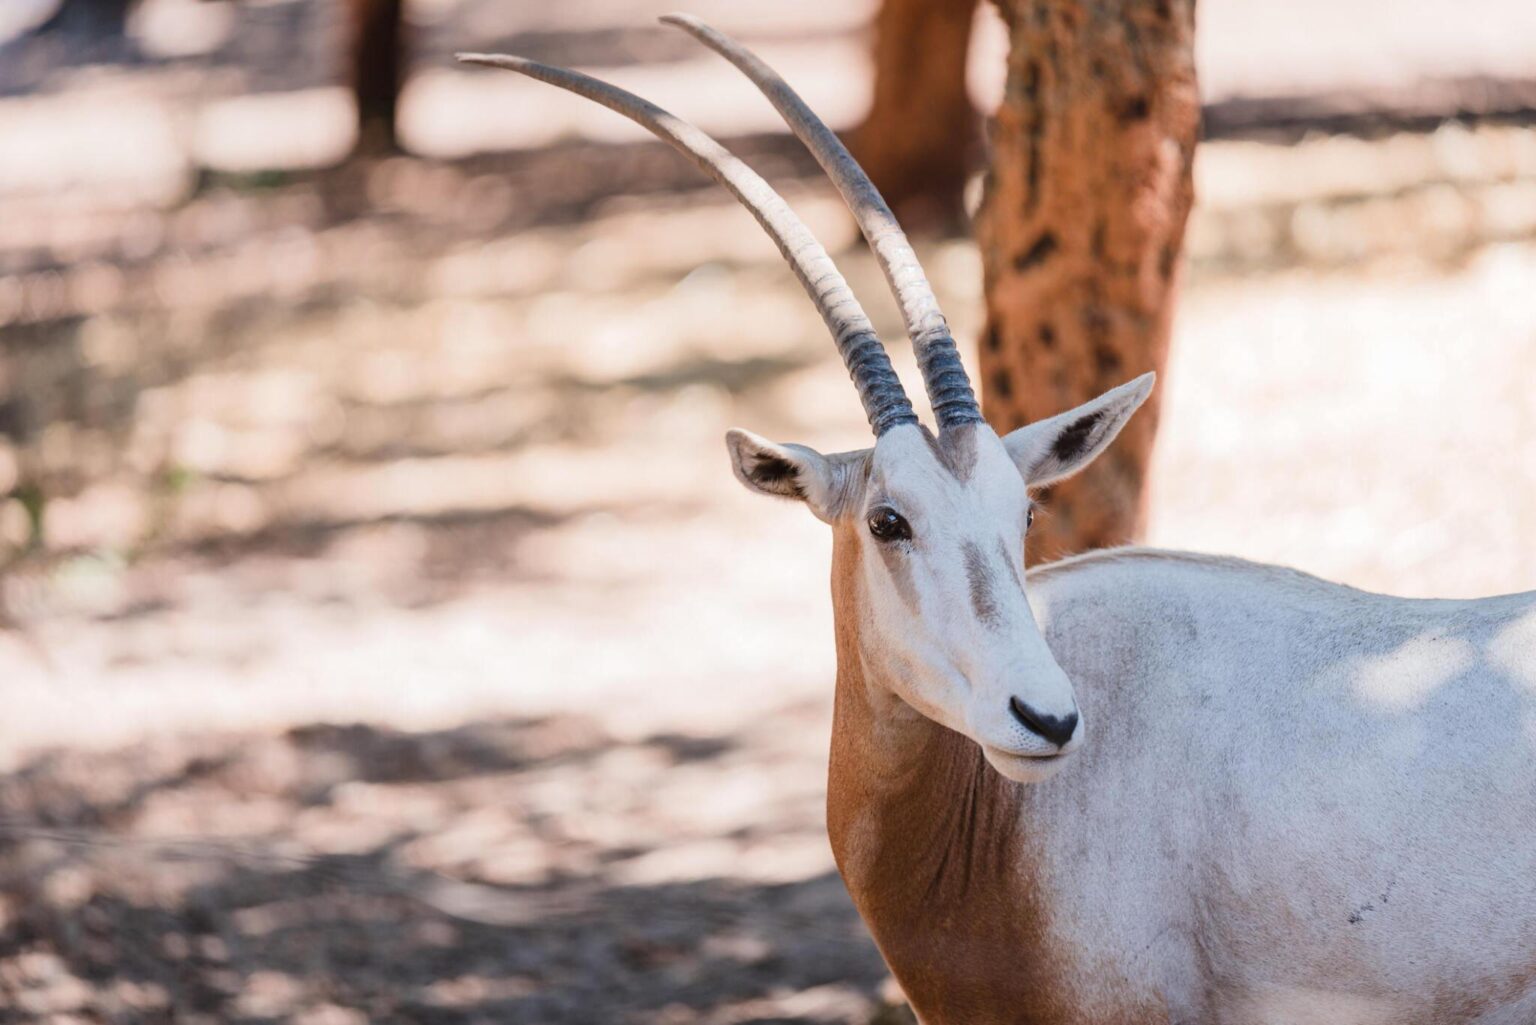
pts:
pixel 387 639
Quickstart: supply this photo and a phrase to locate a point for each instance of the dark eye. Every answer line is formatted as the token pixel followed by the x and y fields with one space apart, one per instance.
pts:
pixel 1029 518
pixel 889 525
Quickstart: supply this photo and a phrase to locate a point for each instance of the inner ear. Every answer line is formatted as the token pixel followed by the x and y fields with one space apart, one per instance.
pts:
pixel 1076 439
pixel 823 483
pixel 772 473
pixel 1051 450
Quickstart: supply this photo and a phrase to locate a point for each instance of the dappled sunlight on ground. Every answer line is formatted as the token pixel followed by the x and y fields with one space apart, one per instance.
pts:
pixel 514 869
pixel 1379 431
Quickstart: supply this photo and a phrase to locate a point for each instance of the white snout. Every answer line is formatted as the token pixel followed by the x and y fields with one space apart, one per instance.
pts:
pixel 1025 770
pixel 1027 732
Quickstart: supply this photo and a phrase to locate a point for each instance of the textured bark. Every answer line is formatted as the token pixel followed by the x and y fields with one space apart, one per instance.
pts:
pixel 922 137
pixel 1081 231
pixel 377 68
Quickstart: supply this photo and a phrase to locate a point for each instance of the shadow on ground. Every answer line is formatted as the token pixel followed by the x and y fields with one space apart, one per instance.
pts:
pixel 351 873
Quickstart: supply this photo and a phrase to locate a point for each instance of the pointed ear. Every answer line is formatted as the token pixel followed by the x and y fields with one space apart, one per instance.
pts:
pixel 1054 449
pixel 792 471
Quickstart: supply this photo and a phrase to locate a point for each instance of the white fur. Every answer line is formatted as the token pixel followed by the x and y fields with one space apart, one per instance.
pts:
pixel 1302 803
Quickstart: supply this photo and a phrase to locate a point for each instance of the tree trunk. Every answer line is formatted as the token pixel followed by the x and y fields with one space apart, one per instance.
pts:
pixel 922 137
pixel 1080 234
pixel 377 67
pixel 97 19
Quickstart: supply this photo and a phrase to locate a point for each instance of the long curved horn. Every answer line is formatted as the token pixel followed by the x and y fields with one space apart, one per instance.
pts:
pixel 949 389
pixel 885 403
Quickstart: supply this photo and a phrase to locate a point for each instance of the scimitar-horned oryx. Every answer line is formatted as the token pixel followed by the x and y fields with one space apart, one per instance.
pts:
pixel 1161 788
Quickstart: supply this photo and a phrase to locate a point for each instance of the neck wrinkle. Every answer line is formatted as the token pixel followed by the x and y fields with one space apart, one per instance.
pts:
pixel 913 811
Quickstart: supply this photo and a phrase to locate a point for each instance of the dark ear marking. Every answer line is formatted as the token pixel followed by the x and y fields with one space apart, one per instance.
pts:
pixel 1057 447
pixel 1076 437
pixel 771 473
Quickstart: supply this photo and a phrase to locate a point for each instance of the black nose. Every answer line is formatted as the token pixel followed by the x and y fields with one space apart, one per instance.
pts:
pixel 1058 730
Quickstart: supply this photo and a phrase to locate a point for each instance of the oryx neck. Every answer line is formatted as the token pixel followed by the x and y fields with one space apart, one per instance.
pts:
pixel 929 842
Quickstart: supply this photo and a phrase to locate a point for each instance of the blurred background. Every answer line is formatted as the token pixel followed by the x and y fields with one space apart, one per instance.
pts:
pixel 382 634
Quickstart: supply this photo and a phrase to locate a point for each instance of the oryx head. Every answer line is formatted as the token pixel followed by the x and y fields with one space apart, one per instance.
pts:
pixel 930 525
pixel 931 528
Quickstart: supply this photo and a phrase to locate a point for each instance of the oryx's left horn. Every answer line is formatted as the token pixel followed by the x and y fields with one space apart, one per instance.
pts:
pixel 885 403
pixel 949 389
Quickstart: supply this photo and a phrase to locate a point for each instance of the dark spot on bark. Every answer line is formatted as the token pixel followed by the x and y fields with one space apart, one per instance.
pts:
pixel 1029 81
pixel 777 475
pixel 1032 167
pixel 1137 108
pixel 1075 438
pixel 1132 34
pixel 1047 335
pixel 1163 9
pixel 1167 258
pixel 1096 325
pixel 1100 236
pixel 1002 384
pixel 1039 251
pixel 1106 360
pixel 1034 133
pixel 993 339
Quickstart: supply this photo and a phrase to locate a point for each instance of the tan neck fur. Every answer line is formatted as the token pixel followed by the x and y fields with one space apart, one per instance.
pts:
pixel 929 843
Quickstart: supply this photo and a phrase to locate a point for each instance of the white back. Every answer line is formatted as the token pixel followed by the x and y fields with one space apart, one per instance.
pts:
pixel 1304 803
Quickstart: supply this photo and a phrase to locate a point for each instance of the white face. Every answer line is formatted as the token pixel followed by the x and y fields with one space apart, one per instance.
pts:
pixel 940 606
pixel 946 619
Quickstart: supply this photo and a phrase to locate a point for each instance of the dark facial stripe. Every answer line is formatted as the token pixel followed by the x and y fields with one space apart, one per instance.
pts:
pixel 1008 561
pixel 983 587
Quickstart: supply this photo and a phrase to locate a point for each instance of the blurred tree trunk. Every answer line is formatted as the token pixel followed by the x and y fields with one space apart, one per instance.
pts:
pixel 1081 231
pixel 377 67
pixel 922 137
pixel 104 19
